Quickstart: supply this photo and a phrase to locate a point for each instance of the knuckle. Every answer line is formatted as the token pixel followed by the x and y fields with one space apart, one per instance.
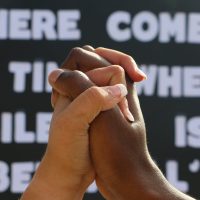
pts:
pixel 76 75
pixel 79 75
pixel 99 49
pixel 72 58
pixel 118 69
pixel 75 51
pixel 130 59
pixel 94 91
pixel 95 94
pixel 87 47
pixel 118 73
pixel 73 79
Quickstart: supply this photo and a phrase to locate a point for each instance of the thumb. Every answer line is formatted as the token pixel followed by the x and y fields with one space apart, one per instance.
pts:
pixel 94 100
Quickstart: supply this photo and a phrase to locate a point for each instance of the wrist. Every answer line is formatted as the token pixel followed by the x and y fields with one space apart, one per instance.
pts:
pixel 148 183
pixel 52 182
pixel 153 185
pixel 158 187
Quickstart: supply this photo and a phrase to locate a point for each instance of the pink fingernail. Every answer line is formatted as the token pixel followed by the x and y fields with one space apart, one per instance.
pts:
pixel 118 90
pixel 53 76
pixel 142 73
pixel 129 115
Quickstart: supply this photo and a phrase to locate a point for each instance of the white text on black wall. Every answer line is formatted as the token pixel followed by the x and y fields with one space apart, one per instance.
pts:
pixel 146 26
pixel 24 24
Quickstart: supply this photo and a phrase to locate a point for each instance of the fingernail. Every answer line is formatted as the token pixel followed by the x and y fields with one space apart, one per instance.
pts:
pixel 53 76
pixel 129 115
pixel 142 73
pixel 118 90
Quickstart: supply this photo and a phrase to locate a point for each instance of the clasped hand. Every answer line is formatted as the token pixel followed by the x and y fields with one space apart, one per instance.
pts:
pixel 97 133
pixel 76 107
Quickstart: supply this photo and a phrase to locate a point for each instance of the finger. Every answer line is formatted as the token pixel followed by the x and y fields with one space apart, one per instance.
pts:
pixel 69 83
pixel 102 77
pixel 112 75
pixel 124 60
pixel 83 60
pixel 88 100
pixel 72 83
pixel 130 67
pixel 94 100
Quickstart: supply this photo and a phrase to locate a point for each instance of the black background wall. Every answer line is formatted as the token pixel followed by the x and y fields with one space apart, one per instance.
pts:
pixel 162 35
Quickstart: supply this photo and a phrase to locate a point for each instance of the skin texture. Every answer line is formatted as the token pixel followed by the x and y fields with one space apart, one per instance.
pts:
pixel 85 62
pixel 118 157
pixel 106 138
pixel 66 170
pixel 124 168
